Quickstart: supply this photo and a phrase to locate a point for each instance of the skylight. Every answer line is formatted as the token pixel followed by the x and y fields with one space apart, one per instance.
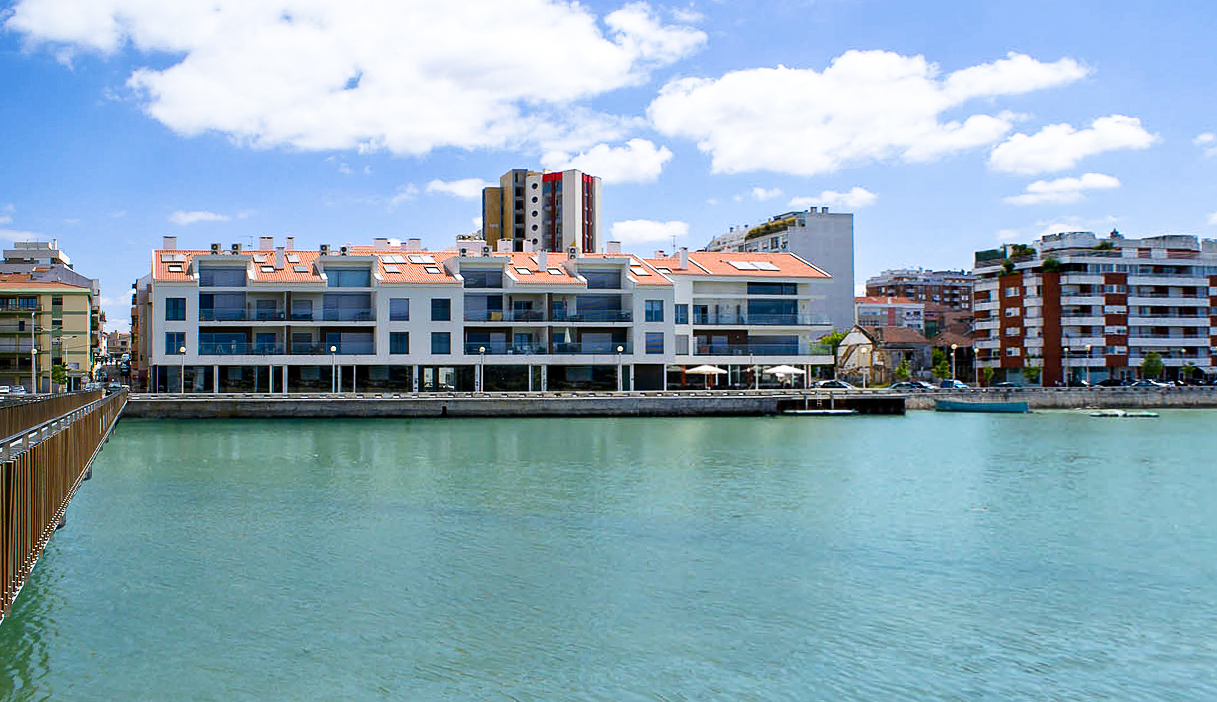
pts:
pixel 390 268
pixel 555 271
pixel 259 258
pixel 300 268
pixel 293 258
pixel 523 271
pixel 267 269
pixel 430 269
pixel 175 268
pixel 639 270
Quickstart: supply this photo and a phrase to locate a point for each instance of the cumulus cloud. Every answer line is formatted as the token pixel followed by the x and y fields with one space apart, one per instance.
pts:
pixel 866 106
pixel 6 213
pixel 1207 141
pixel 1058 147
pixel 639 161
pixel 18 235
pixel 1063 191
pixel 763 194
pixel 854 199
pixel 638 231
pixel 182 218
pixel 406 77
pixel 467 188
pixel 406 192
pixel 1213 219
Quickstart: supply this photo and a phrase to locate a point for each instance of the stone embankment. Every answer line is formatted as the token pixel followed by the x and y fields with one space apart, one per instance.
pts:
pixel 564 404
pixel 1075 398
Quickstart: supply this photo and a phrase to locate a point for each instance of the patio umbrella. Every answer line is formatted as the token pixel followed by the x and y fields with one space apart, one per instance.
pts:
pixel 706 371
pixel 784 370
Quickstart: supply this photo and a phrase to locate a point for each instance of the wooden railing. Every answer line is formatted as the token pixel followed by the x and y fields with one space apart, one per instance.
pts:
pixel 41 466
pixel 21 412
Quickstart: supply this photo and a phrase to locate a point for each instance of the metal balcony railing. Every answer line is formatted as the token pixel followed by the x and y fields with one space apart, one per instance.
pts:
pixel 759 319
pixel 503 349
pixel 504 316
pixel 595 316
pixel 597 347
pixel 760 349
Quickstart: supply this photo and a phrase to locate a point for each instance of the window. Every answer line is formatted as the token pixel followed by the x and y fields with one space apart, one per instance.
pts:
pixel 654 310
pixel 1013 331
pixel 486 278
pixel 772 289
pixel 682 314
pixel 173 342
pixel 602 280
pixel 1012 291
pixel 1013 351
pixel 175 309
pixel 399 342
pixel 441 310
pixel 221 277
pixel 57 301
pixel 654 342
pixel 399 309
pixel 349 277
pixel 1012 311
pixel 441 342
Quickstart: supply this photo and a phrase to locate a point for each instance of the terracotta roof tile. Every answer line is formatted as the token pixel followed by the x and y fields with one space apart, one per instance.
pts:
pixel 719 263
pixel 882 300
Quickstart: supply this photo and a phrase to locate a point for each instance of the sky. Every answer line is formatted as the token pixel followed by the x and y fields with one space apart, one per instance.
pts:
pixel 945 127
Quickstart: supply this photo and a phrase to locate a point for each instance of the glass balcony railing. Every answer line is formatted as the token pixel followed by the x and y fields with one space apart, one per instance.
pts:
pixel 353 315
pixel 595 316
pixel 244 348
pixel 594 347
pixel 760 349
pixel 710 320
pixel 501 348
pixel 504 316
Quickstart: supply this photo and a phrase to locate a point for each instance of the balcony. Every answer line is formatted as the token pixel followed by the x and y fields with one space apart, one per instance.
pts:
pixel 249 314
pixel 15 307
pixel 595 316
pixel 503 349
pixel 804 320
pixel 594 347
pixel 761 349
pixel 352 315
pixel 507 316
pixel 244 348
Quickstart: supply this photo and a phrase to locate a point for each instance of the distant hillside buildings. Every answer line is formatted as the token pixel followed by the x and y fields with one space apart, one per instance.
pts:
pixel 547 211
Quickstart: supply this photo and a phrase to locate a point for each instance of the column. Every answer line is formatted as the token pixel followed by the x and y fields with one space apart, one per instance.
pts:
pixel 215 379
pixel 283 370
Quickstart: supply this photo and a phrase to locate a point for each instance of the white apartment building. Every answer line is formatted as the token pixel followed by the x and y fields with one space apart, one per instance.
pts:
pixel 813 235
pixel 883 311
pixel 395 318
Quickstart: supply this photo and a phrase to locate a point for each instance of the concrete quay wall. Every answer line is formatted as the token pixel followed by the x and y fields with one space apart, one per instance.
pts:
pixel 1076 398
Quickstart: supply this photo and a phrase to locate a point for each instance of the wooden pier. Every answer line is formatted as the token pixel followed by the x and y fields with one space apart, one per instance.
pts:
pixel 48 452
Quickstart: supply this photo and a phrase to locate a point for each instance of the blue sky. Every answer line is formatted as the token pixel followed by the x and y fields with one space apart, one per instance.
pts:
pixel 946 127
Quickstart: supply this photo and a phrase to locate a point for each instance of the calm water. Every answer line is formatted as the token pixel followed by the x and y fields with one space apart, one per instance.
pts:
pixel 927 557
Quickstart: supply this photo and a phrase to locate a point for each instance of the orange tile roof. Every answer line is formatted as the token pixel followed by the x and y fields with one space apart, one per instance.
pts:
pixel 552 261
pixel 718 263
pixel 881 300
pixel 23 282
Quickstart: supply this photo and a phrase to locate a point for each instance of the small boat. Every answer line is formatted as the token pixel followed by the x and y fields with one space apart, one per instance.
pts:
pixel 979 406
pixel 1123 413
pixel 821 412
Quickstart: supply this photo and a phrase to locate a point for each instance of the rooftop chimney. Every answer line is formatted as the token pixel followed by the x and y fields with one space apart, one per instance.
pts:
pixel 660 253
pixel 291 243
pixel 542 261
pixel 503 245
pixel 684 257
pixel 169 243
pixel 266 243
pixel 380 243
pixel 414 244
pixel 528 246
pixel 612 247
pixel 279 256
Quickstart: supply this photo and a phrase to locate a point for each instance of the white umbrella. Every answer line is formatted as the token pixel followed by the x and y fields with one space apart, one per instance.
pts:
pixel 784 370
pixel 706 371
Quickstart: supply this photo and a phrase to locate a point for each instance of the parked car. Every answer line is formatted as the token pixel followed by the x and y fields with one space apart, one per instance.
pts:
pixel 1005 384
pixel 1114 383
pixel 953 384
pixel 113 386
pixel 1078 383
pixel 837 384
pixel 905 385
pixel 17 390
pixel 1148 383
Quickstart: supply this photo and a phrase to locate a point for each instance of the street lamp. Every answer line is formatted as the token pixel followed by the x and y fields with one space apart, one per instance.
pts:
pixel 620 383
pixel 1065 366
pixel 34 369
pixel 954 348
pixel 1088 364
pixel 333 369
pixel 482 369
pixel 182 372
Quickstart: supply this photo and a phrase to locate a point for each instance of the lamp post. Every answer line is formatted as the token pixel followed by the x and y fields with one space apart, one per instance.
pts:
pixel 333 369
pixel 1065 366
pixel 620 382
pixel 954 348
pixel 34 369
pixel 756 375
pixel 482 369
pixel 1088 364
pixel 182 371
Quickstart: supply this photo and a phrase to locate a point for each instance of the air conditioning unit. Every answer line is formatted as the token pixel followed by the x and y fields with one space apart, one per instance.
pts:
pixel 572 252
pixel 325 249
pixel 344 251
pixel 215 249
pixel 236 249
pixel 485 250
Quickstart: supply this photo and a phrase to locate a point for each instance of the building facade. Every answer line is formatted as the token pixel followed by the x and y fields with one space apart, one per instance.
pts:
pixel 394 318
pixel 947 295
pixel 548 211
pixel 43 324
pixel 816 235
pixel 1077 307
pixel 877 311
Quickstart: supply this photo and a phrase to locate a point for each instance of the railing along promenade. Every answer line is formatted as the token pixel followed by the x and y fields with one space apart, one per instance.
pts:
pixel 48 451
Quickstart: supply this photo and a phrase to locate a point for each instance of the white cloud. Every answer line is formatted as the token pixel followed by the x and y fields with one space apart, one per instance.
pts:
pixel 866 106
pixel 854 199
pixel 344 169
pixel 1213 219
pixel 1007 234
pixel 1073 223
pixel 182 218
pixel 404 193
pixel 1063 191
pixel 1058 147
pixel 639 161
pixel 18 235
pixel 467 188
pixel 6 213
pixel 763 194
pixel 1205 141
pixel 406 77
pixel 637 231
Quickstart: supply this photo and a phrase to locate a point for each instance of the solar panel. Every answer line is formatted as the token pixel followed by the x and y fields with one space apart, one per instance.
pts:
pixel 421 258
pixel 765 266
pixel 390 268
pixel 293 258
pixel 300 268
pixel 259 258
pixel 742 265
pixel 173 258
pixel 639 270
pixel 431 269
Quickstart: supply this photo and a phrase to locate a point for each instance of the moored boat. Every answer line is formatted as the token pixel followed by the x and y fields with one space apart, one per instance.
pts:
pixel 979 406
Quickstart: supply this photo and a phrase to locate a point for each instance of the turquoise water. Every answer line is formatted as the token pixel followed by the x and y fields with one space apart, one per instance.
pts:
pixel 926 557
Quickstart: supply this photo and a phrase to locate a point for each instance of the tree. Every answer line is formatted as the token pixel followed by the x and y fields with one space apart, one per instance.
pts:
pixel 942 367
pixel 987 374
pixel 1032 374
pixel 902 369
pixel 59 374
pixel 1051 265
pixel 833 339
pixel 1007 266
pixel 1152 367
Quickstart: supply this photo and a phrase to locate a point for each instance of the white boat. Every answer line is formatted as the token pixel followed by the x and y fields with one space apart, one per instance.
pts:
pixel 1122 413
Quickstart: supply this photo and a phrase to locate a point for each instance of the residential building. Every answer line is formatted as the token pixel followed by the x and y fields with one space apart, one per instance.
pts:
pixel 1073 305
pixel 117 344
pixel 396 318
pixel 46 262
pixel 549 211
pixel 947 295
pixel 813 235
pixel 739 310
pixel 43 324
pixel 878 311
pixel 869 355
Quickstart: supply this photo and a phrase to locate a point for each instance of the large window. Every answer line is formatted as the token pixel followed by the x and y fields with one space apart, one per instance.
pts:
pixel 221 277
pixel 349 277
pixel 654 310
pixel 487 278
pixel 399 342
pixel 654 342
pixel 174 341
pixel 175 309
pixel 602 280
pixel 441 342
pixel 348 307
pixel 773 289
pixel 399 309
pixel 682 314
pixel 773 312
pixel 441 309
